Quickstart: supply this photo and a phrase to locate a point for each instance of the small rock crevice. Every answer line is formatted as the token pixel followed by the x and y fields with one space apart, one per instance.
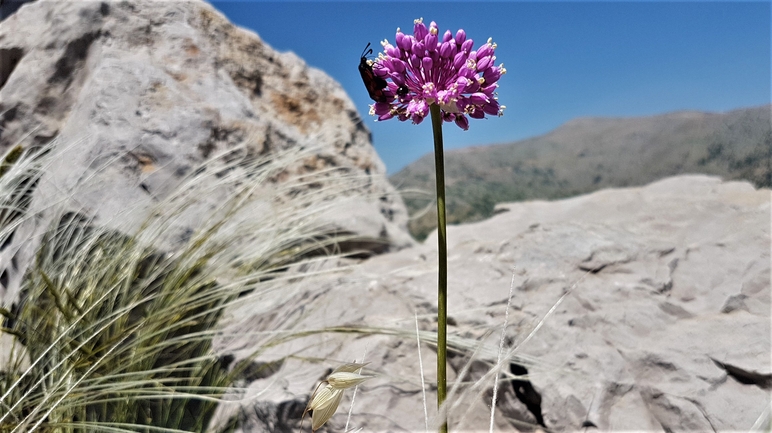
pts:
pixel 9 58
pixel 526 393
pixel 763 381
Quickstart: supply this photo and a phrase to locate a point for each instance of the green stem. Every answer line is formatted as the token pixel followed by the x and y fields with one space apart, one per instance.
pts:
pixel 442 285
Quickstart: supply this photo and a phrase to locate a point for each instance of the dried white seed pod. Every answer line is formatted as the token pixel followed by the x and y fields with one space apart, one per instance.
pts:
pixel 344 380
pixel 328 394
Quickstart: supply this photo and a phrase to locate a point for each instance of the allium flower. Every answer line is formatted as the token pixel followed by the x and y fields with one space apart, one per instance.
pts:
pixel 423 69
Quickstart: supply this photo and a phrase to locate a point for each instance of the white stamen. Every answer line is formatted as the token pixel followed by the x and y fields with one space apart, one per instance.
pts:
pixel 419 20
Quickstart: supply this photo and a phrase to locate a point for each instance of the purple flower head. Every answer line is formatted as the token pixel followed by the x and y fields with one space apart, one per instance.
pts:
pixel 430 67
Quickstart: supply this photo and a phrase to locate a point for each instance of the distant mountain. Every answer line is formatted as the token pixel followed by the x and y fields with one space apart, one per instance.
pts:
pixel 588 154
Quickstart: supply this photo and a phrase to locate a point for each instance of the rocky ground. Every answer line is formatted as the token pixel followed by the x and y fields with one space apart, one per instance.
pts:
pixel 665 323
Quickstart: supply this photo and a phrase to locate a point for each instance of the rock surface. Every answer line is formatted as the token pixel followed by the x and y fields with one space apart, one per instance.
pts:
pixel 664 326
pixel 133 96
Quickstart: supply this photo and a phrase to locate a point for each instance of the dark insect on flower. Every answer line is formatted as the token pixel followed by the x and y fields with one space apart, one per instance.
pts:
pixel 375 85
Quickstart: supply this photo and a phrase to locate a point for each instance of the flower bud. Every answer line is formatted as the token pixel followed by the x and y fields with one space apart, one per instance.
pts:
pixel 467 45
pixel 427 63
pixel 392 51
pixel 419 29
pixel 460 36
pixel 459 60
pixel 484 62
pixel 485 50
pixel 445 50
pixel 404 42
pixel 430 42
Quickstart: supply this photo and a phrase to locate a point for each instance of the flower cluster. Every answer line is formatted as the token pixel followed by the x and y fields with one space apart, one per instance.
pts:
pixel 422 70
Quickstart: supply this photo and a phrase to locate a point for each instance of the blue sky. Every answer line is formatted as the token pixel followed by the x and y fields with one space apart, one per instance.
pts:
pixel 564 59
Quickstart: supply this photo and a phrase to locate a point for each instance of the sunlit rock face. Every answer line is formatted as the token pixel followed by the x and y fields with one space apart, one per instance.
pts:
pixel 664 326
pixel 134 96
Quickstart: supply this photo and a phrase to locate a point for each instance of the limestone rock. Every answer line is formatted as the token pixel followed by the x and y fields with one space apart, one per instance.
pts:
pixel 133 96
pixel 643 339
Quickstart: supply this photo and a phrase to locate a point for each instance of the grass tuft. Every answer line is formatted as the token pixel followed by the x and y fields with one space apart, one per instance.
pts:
pixel 112 329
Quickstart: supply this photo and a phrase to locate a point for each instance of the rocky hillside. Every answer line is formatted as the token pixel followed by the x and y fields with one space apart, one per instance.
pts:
pixel 135 96
pixel 589 154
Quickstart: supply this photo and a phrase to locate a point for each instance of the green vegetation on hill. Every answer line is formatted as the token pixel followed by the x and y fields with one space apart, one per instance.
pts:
pixel 589 154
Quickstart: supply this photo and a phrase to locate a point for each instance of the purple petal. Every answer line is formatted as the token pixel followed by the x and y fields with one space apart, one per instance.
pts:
pixel 489 90
pixel 386 116
pixel 431 42
pixel 472 86
pixel 464 71
pixel 404 42
pixel 420 30
pixel 460 36
pixel 397 78
pixel 467 45
pixel 462 122
pixel 392 51
pixel 398 65
pixel 459 60
pixel 380 71
pixel 385 64
pixel 462 83
pixel 446 50
pixel 485 50
pixel 443 96
pixel 381 108
pixel 484 63
pixel 415 61
pixel 491 108
pixel 479 98
pixel 492 74
pixel 477 113
pixel 447 36
pixel 427 63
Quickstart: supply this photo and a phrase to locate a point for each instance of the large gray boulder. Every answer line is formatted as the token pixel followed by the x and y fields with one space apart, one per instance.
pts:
pixel 133 96
pixel 664 326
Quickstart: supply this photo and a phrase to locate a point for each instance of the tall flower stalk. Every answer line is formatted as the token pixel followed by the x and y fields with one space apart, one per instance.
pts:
pixel 446 79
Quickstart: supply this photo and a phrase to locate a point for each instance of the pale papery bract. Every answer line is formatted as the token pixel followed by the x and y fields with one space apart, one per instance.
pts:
pixel 422 69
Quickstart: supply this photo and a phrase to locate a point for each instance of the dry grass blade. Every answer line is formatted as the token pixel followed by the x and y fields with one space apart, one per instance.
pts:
pixel 117 325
